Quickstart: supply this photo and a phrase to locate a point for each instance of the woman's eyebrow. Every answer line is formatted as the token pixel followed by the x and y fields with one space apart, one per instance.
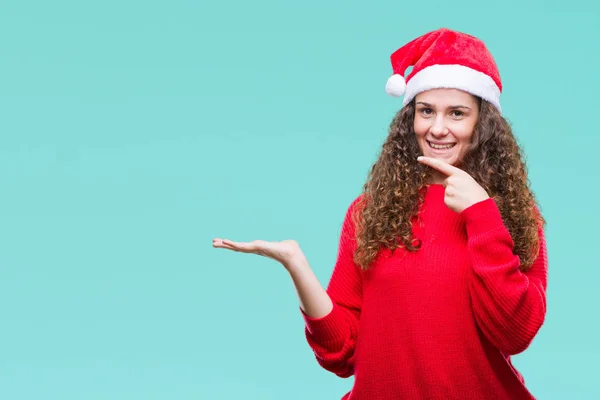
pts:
pixel 453 107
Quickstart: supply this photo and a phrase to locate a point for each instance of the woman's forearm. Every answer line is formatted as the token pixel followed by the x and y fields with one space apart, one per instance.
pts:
pixel 314 300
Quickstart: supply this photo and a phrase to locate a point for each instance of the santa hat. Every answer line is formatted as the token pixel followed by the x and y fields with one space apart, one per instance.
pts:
pixel 445 59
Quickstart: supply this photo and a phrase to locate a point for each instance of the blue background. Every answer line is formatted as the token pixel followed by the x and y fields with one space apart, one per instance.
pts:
pixel 132 133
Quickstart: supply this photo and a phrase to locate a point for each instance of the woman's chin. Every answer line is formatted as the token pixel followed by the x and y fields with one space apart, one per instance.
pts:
pixel 448 158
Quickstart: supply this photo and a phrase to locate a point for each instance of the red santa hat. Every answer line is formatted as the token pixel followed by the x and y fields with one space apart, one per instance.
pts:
pixel 445 59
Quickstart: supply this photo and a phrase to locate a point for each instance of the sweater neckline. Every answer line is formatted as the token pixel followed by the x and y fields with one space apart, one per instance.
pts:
pixel 435 186
pixel 433 189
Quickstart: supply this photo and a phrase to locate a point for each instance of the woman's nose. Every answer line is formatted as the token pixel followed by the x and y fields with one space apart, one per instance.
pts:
pixel 438 127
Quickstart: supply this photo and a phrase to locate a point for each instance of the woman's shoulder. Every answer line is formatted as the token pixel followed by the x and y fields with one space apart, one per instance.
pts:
pixel 356 202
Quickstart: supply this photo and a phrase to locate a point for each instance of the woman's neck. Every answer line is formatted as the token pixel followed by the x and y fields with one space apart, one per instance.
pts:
pixel 437 178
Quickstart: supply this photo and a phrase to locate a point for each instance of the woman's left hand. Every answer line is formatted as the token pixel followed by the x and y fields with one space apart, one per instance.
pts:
pixel 461 190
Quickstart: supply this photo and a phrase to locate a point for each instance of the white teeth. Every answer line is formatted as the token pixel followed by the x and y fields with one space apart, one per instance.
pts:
pixel 441 147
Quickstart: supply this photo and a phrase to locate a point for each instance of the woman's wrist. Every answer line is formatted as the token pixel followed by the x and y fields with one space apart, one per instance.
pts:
pixel 297 265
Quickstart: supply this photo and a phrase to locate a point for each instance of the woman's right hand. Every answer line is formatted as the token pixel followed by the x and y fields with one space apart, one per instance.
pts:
pixel 285 252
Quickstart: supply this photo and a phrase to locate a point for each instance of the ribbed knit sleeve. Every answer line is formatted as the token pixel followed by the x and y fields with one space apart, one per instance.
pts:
pixel 509 305
pixel 333 337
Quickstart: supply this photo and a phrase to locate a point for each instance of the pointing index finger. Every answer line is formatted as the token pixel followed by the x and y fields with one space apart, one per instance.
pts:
pixel 439 165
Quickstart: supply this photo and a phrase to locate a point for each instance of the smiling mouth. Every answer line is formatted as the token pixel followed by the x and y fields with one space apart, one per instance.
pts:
pixel 441 146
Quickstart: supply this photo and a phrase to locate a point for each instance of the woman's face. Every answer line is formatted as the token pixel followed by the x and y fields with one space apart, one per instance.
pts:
pixel 444 123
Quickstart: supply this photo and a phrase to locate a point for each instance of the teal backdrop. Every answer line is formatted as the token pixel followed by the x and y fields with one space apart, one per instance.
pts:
pixel 132 133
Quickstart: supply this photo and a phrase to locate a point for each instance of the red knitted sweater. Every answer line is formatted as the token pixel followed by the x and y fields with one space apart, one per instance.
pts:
pixel 438 323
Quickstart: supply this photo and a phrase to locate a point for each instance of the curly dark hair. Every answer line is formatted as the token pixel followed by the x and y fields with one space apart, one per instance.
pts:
pixel 392 195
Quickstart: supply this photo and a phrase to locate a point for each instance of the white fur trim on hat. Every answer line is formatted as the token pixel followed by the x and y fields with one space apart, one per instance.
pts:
pixel 453 77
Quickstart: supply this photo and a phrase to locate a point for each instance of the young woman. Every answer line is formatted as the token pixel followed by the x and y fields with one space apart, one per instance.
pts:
pixel 442 267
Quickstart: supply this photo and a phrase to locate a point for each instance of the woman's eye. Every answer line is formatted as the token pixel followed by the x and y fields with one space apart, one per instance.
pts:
pixel 426 111
pixel 457 113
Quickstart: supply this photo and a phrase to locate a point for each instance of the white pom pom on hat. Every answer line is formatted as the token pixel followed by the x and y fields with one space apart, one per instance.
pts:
pixel 395 85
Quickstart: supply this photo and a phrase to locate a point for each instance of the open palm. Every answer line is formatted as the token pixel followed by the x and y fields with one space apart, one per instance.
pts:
pixel 282 252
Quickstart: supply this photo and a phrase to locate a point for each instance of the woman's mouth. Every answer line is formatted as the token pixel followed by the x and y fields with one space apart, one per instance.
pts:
pixel 440 147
